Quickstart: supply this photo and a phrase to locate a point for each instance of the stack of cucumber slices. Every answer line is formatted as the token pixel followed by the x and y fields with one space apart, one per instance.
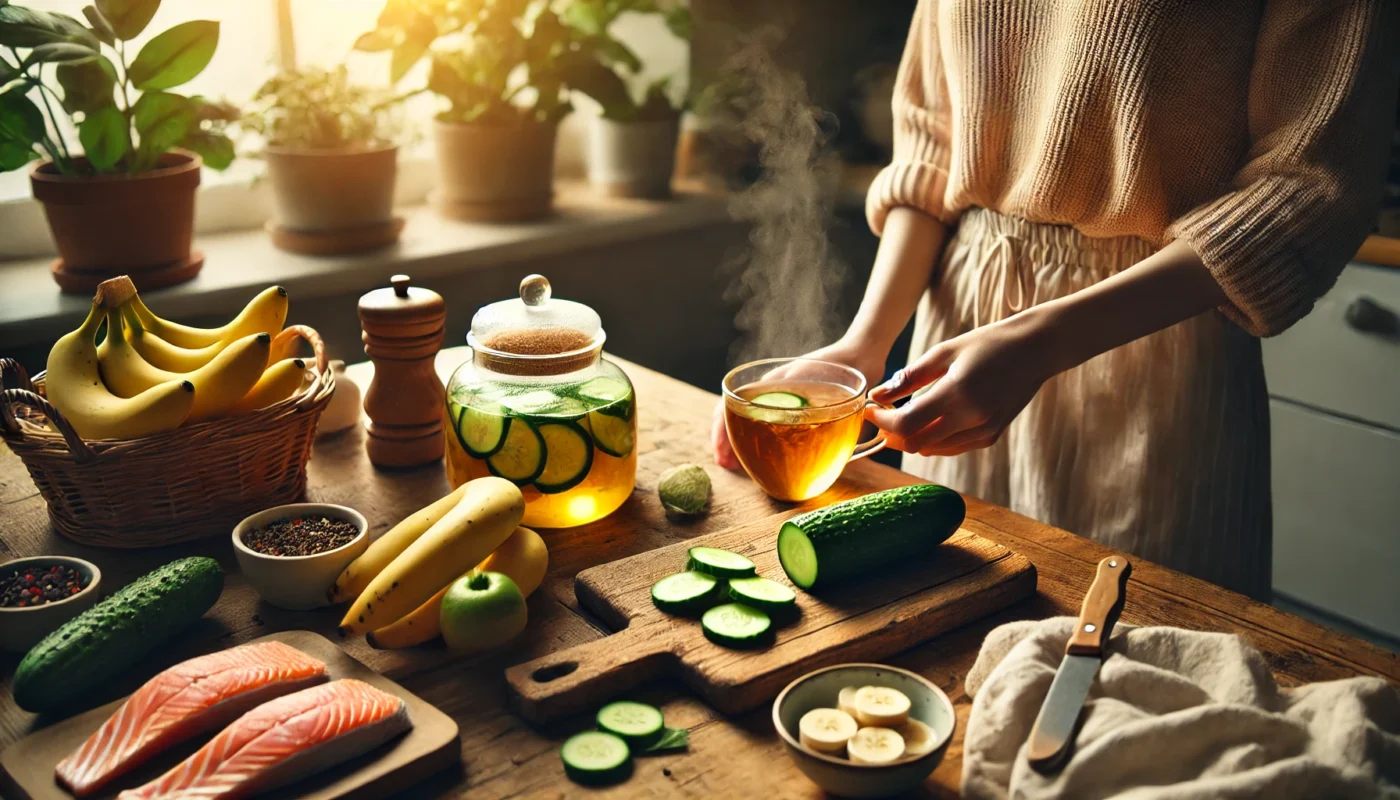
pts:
pixel 737 607
pixel 625 729
pixel 545 437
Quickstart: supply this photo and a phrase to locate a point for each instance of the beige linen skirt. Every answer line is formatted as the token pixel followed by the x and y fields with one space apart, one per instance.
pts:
pixel 1159 448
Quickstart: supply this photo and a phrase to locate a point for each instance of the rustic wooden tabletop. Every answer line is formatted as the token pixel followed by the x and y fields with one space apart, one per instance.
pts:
pixel 503 757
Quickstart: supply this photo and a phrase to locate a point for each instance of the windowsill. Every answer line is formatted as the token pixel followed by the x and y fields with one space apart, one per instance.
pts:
pixel 237 264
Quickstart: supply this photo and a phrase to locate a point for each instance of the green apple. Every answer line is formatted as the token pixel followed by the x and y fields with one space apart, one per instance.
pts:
pixel 482 610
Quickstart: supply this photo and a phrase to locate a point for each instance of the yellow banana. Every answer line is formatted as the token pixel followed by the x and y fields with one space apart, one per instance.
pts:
pixel 164 355
pixel 218 385
pixel 386 548
pixel 523 557
pixel 488 513
pixel 74 385
pixel 280 381
pixel 263 314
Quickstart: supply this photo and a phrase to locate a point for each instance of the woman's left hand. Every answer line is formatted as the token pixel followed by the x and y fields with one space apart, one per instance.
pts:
pixel 980 381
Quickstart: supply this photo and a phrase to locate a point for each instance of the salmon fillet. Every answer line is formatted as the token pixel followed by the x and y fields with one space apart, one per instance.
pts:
pixel 284 740
pixel 192 697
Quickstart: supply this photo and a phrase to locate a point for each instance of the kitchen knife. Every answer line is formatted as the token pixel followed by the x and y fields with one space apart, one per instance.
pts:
pixel 1054 727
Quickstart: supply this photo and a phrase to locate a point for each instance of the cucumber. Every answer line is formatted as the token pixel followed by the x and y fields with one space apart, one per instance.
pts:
pixel 481 432
pixel 639 724
pixel 568 456
pixel 859 537
pixel 764 595
pixel 737 626
pixel 720 563
pixel 532 403
pixel 603 390
pixel 596 758
pixel 521 458
pixel 780 400
pixel 685 592
pixel 614 435
pixel 98 644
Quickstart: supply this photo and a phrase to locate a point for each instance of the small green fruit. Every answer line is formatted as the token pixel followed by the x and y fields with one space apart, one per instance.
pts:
pixel 684 489
pixel 480 611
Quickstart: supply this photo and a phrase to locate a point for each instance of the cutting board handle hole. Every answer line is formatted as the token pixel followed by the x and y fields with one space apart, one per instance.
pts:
pixel 553 672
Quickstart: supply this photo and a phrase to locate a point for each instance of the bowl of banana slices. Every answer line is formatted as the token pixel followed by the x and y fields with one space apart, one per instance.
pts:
pixel 864 730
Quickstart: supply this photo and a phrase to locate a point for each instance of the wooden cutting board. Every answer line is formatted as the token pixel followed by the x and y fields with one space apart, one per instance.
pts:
pixel 966 578
pixel 431 745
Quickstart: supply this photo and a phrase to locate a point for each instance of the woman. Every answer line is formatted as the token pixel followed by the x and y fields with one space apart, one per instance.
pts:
pixel 1119 199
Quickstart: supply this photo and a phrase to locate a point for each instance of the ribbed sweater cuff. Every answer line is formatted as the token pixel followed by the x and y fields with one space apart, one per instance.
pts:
pixel 919 184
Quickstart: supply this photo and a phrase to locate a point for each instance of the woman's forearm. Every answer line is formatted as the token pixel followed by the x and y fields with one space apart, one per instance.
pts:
pixel 909 249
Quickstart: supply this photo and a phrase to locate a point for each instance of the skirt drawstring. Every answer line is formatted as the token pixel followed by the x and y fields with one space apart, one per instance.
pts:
pixel 999 269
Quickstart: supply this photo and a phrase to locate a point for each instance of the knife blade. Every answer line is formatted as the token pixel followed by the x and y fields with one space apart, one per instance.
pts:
pixel 1054 727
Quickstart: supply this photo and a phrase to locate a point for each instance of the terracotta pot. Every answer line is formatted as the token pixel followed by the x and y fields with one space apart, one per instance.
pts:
pixel 494 172
pixel 108 225
pixel 633 159
pixel 332 190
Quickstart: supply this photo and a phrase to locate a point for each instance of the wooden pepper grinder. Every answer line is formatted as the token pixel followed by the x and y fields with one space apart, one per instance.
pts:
pixel 403 329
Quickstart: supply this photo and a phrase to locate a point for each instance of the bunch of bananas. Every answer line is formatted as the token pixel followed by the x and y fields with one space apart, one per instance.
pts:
pixel 150 374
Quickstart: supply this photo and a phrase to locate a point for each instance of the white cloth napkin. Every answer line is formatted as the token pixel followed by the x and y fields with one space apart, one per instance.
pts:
pixel 1177 714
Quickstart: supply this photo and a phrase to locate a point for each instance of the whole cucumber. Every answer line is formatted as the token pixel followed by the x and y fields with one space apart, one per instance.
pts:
pixel 99 643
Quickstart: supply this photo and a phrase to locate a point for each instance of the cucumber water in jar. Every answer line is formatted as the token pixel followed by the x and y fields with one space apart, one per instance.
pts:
pixel 538 405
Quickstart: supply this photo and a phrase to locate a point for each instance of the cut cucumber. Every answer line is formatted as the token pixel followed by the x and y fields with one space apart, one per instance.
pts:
pixel 639 724
pixel 604 391
pixel 763 594
pixel 565 408
pixel 568 456
pixel 481 432
pixel 780 400
pixel 521 458
pixel 543 402
pixel 721 563
pixel 454 413
pixel 685 592
pixel 615 436
pixel 596 758
pixel 737 625
pixel 860 537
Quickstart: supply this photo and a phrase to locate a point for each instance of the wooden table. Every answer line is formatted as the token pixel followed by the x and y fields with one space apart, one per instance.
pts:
pixel 732 758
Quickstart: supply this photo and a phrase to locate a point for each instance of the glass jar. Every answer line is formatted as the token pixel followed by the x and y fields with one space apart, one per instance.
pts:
pixel 537 404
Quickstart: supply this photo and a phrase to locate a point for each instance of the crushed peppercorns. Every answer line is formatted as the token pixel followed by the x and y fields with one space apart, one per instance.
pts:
pixel 304 536
pixel 35 586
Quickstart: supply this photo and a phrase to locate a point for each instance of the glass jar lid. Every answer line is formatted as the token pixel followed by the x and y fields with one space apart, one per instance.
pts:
pixel 537 326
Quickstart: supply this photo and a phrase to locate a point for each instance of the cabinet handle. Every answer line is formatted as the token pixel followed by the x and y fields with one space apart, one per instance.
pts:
pixel 1368 316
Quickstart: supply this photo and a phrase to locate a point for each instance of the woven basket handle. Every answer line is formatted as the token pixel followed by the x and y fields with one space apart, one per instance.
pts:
pixel 12 397
pixel 10 368
pixel 284 345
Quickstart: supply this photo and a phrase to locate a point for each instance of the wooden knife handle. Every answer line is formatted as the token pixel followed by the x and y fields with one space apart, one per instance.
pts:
pixel 1101 608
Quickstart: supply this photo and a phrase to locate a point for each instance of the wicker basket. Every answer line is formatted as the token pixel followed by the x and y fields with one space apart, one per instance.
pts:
pixel 195 481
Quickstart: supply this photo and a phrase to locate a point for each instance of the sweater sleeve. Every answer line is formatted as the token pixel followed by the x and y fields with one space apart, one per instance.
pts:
pixel 1322 99
pixel 918 174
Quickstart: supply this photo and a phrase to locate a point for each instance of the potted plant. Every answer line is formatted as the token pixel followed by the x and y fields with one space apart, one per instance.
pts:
pixel 331 159
pixel 632 144
pixel 121 198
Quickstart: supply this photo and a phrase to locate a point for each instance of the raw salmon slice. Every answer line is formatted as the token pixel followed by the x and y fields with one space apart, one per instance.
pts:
pixel 192 697
pixel 284 740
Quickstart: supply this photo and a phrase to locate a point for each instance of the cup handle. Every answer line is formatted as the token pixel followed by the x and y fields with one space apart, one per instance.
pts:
pixel 874 444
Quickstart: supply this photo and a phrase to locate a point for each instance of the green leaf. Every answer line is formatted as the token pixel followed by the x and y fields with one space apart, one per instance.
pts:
pixel 175 56
pixel 105 137
pixel 8 72
pixel 671 739
pixel 58 53
pixel 15 154
pixel 417 36
pixel 679 22
pixel 87 85
pixel 24 27
pixel 612 52
pixel 20 119
pixel 128 17
pixel 588 16
pixel 377 40
pixel 100 26
pixel 217 110
pixel 602 84
pixel 215 148
pixel 162 121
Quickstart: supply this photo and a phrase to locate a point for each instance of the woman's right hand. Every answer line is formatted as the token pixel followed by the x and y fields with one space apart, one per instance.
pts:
pixel 855 355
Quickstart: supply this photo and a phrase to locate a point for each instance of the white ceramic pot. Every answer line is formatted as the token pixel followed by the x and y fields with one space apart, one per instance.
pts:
pixel 633 159
pixel 298 583
pixel 22 628
pixel 494 172
pixel 332 190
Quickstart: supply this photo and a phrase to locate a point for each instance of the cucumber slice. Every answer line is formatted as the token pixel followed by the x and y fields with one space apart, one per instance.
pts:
pixel 737 625
pixel 685 592
pixel 522 456
pixel 604 390
pixel 454 413
pixel 639 724
pixel 568 456
pixel 566 408
pixel 763 594
pixel 613 435
pixel 596 758
pixel 534 403
pixel 780 400
pixel 482 433
pixel 721 563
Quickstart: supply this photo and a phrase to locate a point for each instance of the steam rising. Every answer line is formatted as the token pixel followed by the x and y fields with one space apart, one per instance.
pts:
pixel 787 283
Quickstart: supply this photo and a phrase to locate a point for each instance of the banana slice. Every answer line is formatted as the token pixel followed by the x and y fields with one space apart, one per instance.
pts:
pixel 881 707
pixel 875 746
pixel 918 738
pixel 846 700
pixel 825 730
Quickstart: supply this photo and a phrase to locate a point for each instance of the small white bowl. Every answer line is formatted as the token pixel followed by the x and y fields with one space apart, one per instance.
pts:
pixel 22 628
pixel 298 583
pixel 928 704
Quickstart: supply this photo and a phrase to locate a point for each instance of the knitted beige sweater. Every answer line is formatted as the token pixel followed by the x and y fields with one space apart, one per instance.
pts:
pixel 1256 130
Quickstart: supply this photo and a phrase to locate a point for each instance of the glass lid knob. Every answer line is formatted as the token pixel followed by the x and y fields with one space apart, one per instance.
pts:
pixel 534 290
